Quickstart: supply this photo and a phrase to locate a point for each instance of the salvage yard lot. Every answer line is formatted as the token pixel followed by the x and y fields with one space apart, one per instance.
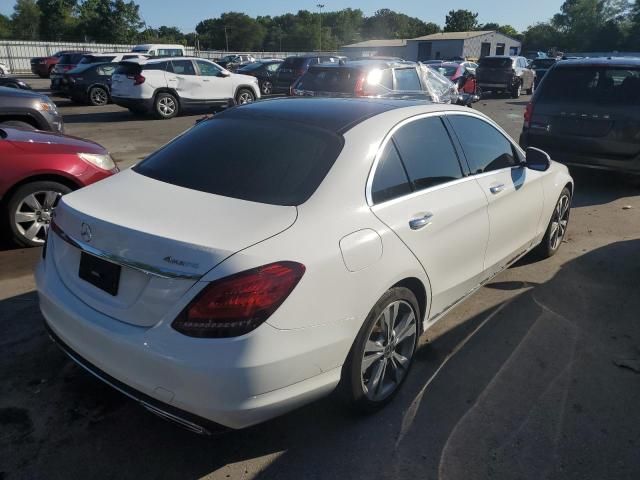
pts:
pixel 544 380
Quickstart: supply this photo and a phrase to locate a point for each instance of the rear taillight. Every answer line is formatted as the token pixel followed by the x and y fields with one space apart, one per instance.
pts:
pixel 528 114
pixel 138 79
pixel 238 304
pixel 359 89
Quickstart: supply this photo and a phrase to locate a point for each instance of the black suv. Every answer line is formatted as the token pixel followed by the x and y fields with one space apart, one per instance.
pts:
pixel 294 67
pixel 587 113
pixel 502 73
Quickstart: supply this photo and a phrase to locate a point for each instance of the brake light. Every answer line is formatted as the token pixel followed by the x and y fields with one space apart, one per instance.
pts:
pixel 359 89
pixel 138 79
pixel 238 304
pixel 528 115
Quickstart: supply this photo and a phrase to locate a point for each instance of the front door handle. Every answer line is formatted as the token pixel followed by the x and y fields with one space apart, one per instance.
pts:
pixel 420 222
pixel 496 188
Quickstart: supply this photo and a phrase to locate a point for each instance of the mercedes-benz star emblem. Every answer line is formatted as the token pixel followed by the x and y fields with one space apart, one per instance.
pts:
pixel 85 232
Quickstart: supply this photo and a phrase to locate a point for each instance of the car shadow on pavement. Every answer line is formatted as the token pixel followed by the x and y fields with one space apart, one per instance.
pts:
pixel 598 187
pixel 526 389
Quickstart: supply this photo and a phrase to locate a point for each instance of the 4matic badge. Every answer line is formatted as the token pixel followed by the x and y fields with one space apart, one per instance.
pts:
pixel 182 263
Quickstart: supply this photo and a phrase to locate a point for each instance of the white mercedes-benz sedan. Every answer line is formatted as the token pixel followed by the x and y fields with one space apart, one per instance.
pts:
pixel 284 248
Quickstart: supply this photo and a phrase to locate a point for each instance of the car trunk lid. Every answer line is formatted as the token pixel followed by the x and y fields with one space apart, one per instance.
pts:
pixel 163 237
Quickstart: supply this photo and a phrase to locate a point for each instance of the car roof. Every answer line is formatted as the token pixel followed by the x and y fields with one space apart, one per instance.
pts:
pixel 365 64
pixel 600 61
pixel 145 60
pixel 334 114
pixel 501 56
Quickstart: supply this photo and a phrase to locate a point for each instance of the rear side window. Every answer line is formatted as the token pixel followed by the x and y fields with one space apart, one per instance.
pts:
pixel 591 85
pixel 496 62
pixel 283 164
pixel 183 67
pixel 169 52
pixel 129 68
pixel 157 66
pixel 294 62
pixel 407 79
pixel 427 153
pixel 105 70
pixel 390 180
pixel 485 147
pixel 338 80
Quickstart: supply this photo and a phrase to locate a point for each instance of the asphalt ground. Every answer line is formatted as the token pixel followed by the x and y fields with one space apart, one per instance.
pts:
pixel 536 376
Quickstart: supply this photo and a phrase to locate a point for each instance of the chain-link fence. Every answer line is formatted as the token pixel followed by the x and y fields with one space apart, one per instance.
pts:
pixel 17 55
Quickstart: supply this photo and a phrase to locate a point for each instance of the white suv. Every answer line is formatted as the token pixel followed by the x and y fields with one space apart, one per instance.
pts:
pixel 166 86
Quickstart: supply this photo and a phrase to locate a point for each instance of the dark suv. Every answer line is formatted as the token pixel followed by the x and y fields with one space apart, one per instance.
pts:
pixel 587 113
pixel 67 62
pixel 502 73
pixel 29 110
pixel 294 67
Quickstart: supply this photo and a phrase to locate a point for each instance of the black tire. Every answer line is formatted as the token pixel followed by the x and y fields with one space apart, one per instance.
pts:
pixel 18 124
pixel 16 202
pixel 244 95
pixel 266 87
pixel 529 91
pixel 550 245
pixel 165 106
pixel 516 90
pixel 352 383
pixel 98 96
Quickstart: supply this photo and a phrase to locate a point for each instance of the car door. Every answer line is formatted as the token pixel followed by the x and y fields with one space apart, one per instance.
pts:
pixel 420 190
pixel 514 193
pixel 214 85
pixel 183 79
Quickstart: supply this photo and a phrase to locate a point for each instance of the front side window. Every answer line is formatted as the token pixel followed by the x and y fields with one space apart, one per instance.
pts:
pixel 272 67
pixel 427 153
pixel 106 70
pixel 207 69
pixel 407 79
pixel 390 180
pixel 183 67
pixel 484 146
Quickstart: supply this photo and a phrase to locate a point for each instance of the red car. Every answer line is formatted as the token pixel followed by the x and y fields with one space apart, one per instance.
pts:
pixel 42 66
pixel 37 168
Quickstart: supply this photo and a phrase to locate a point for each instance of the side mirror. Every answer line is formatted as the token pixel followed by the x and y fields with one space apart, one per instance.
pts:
pixel 224 73
pixel 537 159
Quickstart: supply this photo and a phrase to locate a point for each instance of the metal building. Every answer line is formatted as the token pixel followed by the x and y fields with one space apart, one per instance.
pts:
pixel 446 45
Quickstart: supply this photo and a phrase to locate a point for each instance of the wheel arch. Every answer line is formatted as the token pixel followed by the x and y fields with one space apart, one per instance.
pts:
pixel 256 94
pixel 23 117
pixel 417 287
pixel 167 90
pixel 41 177
pixel 101 85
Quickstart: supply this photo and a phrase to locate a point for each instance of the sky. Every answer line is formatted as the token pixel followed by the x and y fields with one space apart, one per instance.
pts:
pixel 185 14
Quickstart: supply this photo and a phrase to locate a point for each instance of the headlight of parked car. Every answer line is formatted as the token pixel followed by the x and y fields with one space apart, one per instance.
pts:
pixel 104 162
pixel 48 107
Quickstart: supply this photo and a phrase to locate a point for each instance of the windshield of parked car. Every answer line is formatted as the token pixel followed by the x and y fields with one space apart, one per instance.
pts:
pixel 592 85
pixel 282 164
pixel 70 58
pixel 543 63
pixel 96 59
pixel 335 80
pixel 496 62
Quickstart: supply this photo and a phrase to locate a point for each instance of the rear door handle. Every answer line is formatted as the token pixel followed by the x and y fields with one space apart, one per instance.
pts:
pixel 496 188
pixel 420 222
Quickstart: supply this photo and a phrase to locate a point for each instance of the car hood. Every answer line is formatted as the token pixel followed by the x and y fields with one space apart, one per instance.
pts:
pixel 241 78
pixel 6 92
pixel 29 140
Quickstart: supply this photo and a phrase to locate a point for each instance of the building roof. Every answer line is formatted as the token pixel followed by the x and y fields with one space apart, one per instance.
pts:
pixel 401 42
pixel 454 35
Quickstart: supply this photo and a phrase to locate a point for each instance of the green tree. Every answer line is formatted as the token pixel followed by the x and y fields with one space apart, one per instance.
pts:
pixel 109 21
pixel 240 31
pixel 634 31
pixel 542 37
pixel 163 34
pixel 5 26
pixel 25 21
pixel 386 23
pixel 461 21
pixel 58 20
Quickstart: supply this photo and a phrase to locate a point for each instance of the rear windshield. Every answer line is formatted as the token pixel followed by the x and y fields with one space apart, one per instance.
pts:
pixel 337 80
pixel 128 68
pixel 447 70
pixel 591 85
pixel 496 62
pixel 543 63
pixel 283 164
pixel 70 58
pixel 294 62
pixel 96 59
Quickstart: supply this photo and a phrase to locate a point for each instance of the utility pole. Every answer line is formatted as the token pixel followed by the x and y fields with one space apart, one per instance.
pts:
pixel 320 7
pixel 226 38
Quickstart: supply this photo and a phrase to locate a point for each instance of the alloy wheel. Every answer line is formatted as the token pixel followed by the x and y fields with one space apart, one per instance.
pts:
pixel 98 96
pixel 33 215
pixel 559 222
pixel 245 97
pixel 388 351
pixel 166 106
pixel 267 87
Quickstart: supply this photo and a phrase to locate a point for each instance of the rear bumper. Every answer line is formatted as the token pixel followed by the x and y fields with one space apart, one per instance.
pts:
pixel 140 104
pixel 572 159
pixel 234 382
